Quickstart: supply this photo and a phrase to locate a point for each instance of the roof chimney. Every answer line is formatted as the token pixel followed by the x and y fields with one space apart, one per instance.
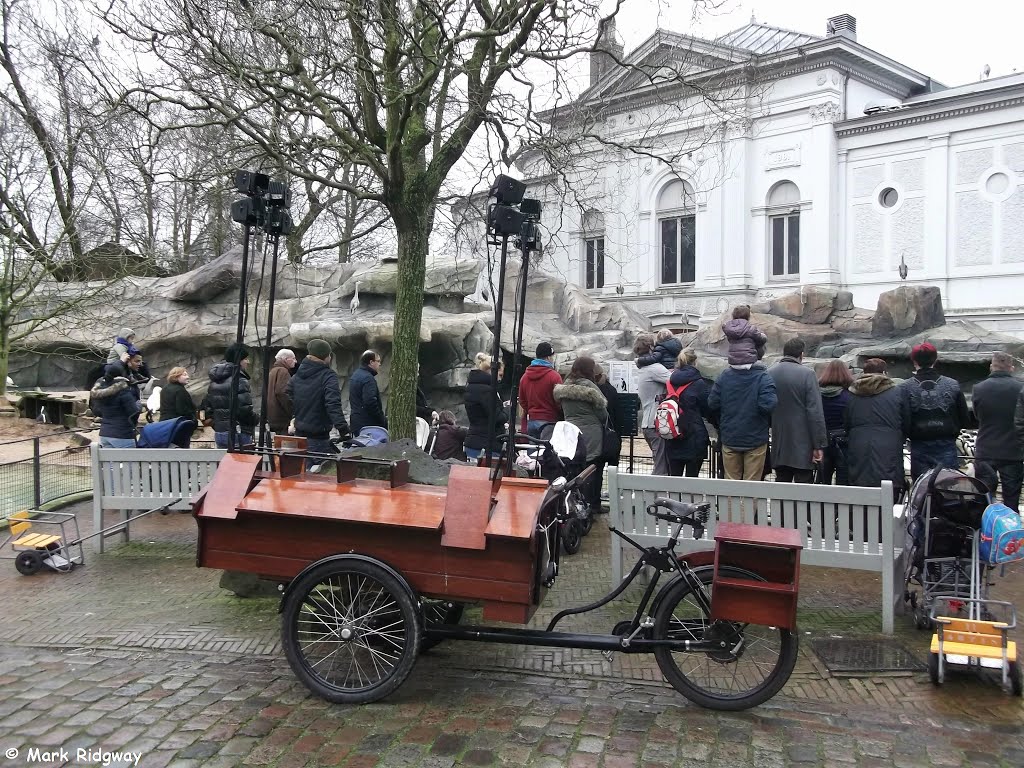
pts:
pixel 843 25
pixel 607 42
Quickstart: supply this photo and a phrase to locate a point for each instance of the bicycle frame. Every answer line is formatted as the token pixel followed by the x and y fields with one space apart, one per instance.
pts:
pixel 663 558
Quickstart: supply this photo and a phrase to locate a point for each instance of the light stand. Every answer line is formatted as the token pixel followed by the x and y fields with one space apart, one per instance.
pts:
pixel 278 223
pixel 509 216
pixel 265 206
pixel 527 242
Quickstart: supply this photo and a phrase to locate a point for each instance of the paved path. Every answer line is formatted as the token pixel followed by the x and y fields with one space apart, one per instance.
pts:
pixel 139 650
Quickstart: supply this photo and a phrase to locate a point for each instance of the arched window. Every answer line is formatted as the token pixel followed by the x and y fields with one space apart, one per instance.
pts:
pixel 784 229
pixel 593 249
pixel 677 223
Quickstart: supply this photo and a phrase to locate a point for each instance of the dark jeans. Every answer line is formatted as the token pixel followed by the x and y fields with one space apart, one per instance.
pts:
pixel 319 445
pixel 834 463
pixel 925 454
pixel 242 439
pixel 533 427
pixel 793 475
pixel 1009 473
pixel 592 493
pixel 685 467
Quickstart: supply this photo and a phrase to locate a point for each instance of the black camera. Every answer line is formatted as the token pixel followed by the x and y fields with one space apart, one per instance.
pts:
pixel 251 183
pixel 248 211
pixel 278 222
pixel 278 195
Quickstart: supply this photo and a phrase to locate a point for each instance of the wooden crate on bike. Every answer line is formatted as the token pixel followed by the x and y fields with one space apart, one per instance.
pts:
pixel 774 554
pixel 474 541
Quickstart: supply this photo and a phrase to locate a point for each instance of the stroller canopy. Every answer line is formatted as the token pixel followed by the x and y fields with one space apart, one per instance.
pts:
pixel 163 434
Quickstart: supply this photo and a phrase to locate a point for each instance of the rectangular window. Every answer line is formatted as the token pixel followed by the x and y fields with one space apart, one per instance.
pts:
pixel 679 250
pixel 594 262
pixel 785 236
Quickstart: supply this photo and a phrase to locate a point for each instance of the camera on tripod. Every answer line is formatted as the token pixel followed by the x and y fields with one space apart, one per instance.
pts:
pixel 265 204
pixel 512 215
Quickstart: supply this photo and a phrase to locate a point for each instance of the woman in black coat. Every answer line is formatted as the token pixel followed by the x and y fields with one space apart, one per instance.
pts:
pixel 483 408
pixel 686 454
pixel 175 401
pixel 877 424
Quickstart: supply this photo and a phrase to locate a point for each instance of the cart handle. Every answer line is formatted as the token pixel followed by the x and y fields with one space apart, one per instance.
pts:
pixel 165 508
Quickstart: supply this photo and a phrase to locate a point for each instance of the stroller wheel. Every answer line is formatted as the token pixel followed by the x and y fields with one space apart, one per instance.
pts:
pixel 933 668
pixel 572 537
pixel 921 619
pixel 1016 679
pixel 28 562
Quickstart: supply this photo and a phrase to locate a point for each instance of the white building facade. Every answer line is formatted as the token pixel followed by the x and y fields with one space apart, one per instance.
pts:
pixel 780 178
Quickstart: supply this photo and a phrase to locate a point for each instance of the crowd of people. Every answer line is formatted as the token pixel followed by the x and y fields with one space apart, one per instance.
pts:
pixel 303 399
pixel 827 427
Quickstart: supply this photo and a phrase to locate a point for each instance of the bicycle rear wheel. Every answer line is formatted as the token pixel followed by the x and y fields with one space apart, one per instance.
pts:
pixel 754 666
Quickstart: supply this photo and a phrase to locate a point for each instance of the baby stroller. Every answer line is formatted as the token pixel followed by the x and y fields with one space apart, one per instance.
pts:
pixel 367 438
pixel 944 513
pixel 564 455
pixel 172 433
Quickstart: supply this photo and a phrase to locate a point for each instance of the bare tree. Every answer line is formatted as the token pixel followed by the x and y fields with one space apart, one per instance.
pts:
pixel 397 88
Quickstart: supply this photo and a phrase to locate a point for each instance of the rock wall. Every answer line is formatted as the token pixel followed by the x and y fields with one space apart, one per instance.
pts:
pixel 189 319
pixel 832 327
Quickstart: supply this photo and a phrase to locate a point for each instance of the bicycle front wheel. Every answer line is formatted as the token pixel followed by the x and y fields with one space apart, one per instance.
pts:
pixel 755 664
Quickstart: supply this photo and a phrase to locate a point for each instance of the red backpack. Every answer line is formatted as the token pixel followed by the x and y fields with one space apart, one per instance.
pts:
pixel 668 418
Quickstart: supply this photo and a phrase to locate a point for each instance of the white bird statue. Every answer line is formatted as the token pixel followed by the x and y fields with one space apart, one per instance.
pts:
pixel 354 304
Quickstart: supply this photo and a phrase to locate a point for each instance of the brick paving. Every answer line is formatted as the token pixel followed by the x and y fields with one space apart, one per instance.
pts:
pixel 140 650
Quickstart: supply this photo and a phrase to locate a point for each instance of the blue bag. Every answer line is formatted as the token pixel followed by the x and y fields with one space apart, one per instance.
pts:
pixel 1002 535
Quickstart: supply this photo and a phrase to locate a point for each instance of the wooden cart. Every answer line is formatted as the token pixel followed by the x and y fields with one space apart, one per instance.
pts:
pixel 375 570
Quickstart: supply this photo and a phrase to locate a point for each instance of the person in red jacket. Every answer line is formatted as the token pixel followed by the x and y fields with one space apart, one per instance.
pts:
pixel 535 391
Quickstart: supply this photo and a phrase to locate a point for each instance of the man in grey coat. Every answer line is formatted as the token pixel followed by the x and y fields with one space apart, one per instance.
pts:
pixel 651 380
pixel 798 423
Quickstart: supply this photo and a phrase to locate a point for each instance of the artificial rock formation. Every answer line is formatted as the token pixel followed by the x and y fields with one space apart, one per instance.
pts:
pixel 831 327
pixel 189 319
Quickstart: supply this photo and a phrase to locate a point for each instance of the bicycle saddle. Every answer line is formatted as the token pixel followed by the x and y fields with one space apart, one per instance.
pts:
pixel 681 512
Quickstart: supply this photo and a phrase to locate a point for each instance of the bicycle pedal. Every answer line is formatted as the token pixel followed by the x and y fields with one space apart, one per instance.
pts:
pixel 607 655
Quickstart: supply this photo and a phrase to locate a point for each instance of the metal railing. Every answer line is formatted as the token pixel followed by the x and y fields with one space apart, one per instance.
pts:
pixel 45 476
pixel 49 474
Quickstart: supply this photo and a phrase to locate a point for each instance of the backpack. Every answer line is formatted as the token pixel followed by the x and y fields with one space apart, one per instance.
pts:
pixel 668 418
pixel 1002 535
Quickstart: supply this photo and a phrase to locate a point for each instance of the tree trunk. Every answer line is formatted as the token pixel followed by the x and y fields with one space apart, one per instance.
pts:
pixel 413 235
pixel 5 354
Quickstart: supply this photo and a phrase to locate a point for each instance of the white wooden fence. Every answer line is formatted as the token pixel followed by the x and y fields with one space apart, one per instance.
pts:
pixel 842 526
pixel 136 479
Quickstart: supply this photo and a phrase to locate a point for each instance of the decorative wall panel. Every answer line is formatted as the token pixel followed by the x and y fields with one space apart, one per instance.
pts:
pixel 910 173
pixel 865 179
pixel 971 163
pixel 907 236
pixel 973 230
pixel 867 244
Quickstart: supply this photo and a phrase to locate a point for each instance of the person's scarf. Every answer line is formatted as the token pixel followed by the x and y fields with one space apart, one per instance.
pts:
pixel 132 349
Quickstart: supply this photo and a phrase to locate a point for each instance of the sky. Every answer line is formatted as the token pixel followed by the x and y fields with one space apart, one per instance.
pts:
pixel 949 42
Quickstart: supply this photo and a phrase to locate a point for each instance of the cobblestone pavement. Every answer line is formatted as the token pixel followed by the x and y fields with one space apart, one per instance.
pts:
pixel 141 651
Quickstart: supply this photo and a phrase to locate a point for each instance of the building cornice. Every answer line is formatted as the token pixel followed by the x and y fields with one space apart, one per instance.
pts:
pixel 909 116
pixel 671 93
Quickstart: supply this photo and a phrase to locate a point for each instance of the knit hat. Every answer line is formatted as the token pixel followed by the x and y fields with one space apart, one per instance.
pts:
pixel 924 354
pixel 125 333
pixel 236 353
pixel 319 348
pixel 544 350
